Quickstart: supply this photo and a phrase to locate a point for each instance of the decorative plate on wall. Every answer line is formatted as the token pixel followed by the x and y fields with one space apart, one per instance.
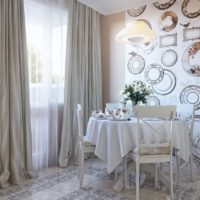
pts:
pixel 168 21
pixel 163 6
pixel 154 74
pixel 167 85
pixel 190 14
pixel 153 101
pixel 168 40
pixel 136 63
pixel 169 58
pixel 136 12
pixel 192 33
pixel 191 58
pixel 190 94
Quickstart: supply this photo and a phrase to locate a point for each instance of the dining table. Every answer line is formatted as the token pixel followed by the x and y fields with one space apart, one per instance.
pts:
pixel 115 138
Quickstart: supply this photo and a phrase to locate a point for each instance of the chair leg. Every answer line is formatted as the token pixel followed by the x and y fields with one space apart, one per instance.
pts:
pixel 156 175
pixel 137 179
pixel 177 169
pixel 125 170
pixel 81 168
pixel 115 174
pixel 171 180
pixel 79 164
pixel 191 158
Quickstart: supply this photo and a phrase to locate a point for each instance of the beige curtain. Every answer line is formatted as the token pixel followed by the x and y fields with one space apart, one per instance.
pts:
pixel 83 80
pixel 15 131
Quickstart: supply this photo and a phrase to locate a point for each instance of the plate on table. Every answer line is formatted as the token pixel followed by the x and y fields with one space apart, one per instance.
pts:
pixel 100 118
pixel 114 119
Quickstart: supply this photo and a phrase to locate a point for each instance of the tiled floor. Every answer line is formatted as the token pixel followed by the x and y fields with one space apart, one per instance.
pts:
pixel 62 184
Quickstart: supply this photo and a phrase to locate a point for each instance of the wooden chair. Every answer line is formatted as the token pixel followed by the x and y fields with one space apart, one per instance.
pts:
pixel 158 152
pixel 186 112
pixel 84 145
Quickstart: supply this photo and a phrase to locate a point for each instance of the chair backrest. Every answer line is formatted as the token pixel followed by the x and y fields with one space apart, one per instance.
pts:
pixel 80 122
pixel 185 111
pixel 190 113
pixel 145 115
pixel 195 134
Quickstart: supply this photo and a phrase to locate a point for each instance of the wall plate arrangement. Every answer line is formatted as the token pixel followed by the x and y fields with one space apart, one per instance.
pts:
pixel 136 63
pixel 154 74
pixel 190 95
pixel 163 6
pixel 192 33
pixel 168 40
pixel 169 58
pixel 191 58
pixel 136 12
pixel 188 14
pixel 153 101
pixel 168 21
pixel 166 85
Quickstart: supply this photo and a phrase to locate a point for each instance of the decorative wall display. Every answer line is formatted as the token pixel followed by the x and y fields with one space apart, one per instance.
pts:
pixel 136 12
pixel 175 78
pixel 154 74
pixel 166 85
pixel 163 6
pixel 153 101
pixel 169 58
pixel 191 58
pixel 192 33
pixel 190 94
pixel 187 13
pixel 168 40
pixel 168 21
pixel 136 63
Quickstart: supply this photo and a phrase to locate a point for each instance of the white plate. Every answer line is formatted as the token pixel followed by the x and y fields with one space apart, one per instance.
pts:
pixel 120 119
pixel 100 118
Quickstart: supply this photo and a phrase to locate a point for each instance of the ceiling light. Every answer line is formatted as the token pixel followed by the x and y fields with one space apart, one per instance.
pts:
pixel 136 32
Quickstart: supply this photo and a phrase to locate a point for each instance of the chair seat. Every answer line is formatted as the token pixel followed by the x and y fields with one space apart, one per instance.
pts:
pixel 87 143
pixel 153 149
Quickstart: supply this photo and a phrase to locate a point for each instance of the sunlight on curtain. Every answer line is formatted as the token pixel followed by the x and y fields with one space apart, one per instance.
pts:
pixel 46 24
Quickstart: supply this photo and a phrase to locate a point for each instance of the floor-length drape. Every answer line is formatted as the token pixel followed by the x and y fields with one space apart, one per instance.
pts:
pixel 15 130
pixel 83 80
pixel 46 25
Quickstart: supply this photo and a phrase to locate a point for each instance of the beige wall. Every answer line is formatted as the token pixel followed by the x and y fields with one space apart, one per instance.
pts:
pixel 113 57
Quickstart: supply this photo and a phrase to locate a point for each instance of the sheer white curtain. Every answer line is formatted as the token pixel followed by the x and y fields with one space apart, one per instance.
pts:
pixel 46 24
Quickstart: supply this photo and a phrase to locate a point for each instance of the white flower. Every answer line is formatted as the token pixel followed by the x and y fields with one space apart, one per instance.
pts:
pixel 121 92
pixel 128 94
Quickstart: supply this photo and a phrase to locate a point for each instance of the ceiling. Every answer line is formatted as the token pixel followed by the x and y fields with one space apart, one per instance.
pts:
pixel 107 7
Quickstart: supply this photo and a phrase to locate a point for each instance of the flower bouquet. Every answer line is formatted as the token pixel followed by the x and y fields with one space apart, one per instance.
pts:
pixel 137 92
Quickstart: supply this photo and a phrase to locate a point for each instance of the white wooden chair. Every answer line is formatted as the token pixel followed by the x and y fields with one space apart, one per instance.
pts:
pixel 84 145
pixel 186 113
pixel 158 152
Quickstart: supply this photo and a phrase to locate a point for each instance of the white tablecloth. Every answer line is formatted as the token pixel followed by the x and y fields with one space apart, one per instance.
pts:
pixel 114 139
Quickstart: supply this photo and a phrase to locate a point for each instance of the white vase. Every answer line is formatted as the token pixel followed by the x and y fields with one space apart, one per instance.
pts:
pixel 133 104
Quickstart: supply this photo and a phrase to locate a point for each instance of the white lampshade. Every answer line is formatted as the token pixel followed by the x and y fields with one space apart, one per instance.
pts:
pixel 136 32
